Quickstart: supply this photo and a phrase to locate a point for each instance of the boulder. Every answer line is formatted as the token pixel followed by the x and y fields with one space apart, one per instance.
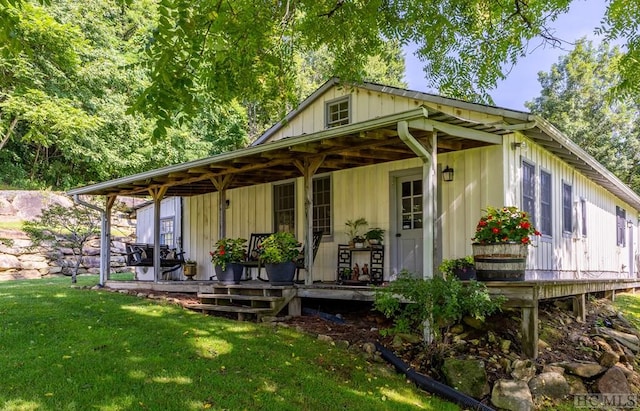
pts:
pixel 473 322
pixel 608 359
pixel 576 385
pixel 630 341
pixel 512 395
pixel 467 376
pixel 9 262
pixel 584 369
pixel 523 370
pixel 549 384
pixel 613 382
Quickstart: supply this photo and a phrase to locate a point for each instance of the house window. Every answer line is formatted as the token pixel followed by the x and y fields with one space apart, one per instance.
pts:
pixel 621 222
pixel 338 112
pixel 284 207
pixel 529 190
pixel 166 232
pixel 545 203
pixel 567 215
pixel 583 214
pixel 322 204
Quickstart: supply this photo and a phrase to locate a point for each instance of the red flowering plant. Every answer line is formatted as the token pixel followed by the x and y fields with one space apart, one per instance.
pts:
pixel 228 250
pixel 504 225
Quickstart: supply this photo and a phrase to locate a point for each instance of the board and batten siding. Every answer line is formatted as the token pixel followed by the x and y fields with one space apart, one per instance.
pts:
pixel 477 183
pixel 570 255
pixel 365 105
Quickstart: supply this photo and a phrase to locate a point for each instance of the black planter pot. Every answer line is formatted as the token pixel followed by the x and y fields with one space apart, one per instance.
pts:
pixel 231 274
pixel 281 273
pixel 465 274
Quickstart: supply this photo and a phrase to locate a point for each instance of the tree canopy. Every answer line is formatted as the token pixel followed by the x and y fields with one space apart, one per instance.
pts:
pixel 575 97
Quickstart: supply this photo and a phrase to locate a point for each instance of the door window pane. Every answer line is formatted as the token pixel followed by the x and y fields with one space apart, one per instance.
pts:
pixel 411 204
pixel 284 207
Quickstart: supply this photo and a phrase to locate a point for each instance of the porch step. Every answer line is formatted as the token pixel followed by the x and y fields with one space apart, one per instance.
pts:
pixel 242 297
pixel 257 300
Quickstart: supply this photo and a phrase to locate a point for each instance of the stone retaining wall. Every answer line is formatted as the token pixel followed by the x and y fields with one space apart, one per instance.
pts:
pixel 20 260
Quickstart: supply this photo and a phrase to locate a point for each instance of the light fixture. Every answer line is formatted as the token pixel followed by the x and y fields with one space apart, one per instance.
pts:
pixel 227 203
pixel 629 224
pixel 518 144
pixel 447 174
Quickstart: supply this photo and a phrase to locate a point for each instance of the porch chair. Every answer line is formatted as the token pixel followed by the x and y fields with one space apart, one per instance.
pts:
pixel 317 239
pixel 253 255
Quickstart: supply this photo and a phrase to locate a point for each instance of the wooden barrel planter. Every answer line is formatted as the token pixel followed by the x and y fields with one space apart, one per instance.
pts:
pixel 500 261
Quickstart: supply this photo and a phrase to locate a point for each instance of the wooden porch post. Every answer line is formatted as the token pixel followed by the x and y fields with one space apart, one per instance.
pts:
pixel 221 184
pixel 429 198
pixel 308 168
pixel 105 240
pixel 157 194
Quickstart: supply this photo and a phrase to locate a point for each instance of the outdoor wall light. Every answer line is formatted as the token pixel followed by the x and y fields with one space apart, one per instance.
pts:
pixel 518 144
pixel 447 174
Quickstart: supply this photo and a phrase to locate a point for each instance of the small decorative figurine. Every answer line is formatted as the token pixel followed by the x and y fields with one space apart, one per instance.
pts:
pixel 356 272
pixel 365 270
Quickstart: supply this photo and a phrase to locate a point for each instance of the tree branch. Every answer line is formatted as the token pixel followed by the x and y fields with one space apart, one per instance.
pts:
pixel 331 12
pixel 9 131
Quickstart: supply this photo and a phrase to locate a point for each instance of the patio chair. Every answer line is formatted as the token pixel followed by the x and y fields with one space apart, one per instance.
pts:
pixel 253 255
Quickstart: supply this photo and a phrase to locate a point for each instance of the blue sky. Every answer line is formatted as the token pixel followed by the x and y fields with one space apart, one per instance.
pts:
pixel 522 82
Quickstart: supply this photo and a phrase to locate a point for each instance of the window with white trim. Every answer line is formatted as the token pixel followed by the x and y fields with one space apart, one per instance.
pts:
pixel 567 212
pixel 546 224
pixel 322 205
pixel 529 190
pixel 167 232
pixel 338 112
pixel 284 207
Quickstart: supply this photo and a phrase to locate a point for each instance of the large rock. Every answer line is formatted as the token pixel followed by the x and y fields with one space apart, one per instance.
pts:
pixel 584 369
pixel 608 359
pixel 630 341
pixel 613 382
pixel 467 376
pixel 523 370
pixel 512 395
pixel 9 262
pixel 549 384
pixel 576 385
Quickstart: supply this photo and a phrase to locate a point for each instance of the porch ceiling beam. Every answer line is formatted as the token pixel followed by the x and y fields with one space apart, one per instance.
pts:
pixel 450 145
pixel 303 149
pixel 464 132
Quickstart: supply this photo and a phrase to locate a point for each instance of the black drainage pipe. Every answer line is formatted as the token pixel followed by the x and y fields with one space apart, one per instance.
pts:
pixel 431 385
pixel 326 316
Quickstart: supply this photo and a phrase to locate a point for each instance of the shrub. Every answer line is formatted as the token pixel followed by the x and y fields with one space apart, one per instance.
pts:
pixel 410 302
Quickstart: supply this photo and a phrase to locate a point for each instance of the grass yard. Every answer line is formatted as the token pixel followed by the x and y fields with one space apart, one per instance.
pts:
pixel 65 348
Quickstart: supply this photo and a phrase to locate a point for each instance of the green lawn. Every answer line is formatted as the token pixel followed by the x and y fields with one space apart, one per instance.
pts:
pixel 65 348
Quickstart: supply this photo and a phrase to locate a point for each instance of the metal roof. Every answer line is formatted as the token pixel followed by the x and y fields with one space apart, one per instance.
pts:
pixel 366 143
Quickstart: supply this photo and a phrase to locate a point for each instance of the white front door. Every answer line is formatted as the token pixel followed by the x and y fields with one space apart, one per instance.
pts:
pixel 408 225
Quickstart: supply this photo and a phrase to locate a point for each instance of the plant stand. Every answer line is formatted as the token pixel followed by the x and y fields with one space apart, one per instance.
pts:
pixel 375 261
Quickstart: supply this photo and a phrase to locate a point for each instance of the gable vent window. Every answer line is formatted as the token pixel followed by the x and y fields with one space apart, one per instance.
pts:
pixel 338 112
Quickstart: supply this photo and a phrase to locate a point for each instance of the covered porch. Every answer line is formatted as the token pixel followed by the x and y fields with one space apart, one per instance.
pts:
pixel 415 135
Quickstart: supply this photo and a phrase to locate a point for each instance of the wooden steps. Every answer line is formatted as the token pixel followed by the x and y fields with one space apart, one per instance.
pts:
pixel 247 301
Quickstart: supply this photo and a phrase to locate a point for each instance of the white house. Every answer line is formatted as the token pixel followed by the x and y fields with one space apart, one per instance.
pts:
pixel 379 152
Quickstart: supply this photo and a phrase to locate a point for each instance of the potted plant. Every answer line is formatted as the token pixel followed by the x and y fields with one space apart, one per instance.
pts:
pixel 353 230
pixel 227 255
pixel 190 269
pixel 463 268
pixel 374 236
pixel 500 245
pixel 279 252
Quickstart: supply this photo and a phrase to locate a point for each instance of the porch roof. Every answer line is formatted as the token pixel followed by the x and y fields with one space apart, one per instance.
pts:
pixel 354 145
pixel 365 143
